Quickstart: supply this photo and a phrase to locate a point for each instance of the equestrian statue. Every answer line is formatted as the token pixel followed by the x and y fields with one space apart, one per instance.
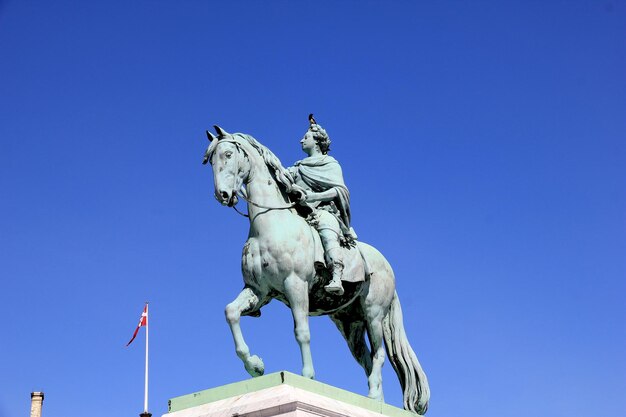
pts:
pixel 302 250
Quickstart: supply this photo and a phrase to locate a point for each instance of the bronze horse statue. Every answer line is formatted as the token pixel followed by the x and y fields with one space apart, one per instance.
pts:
pixel 278 262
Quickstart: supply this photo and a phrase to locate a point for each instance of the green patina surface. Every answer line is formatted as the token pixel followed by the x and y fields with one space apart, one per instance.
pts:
pixel 287 378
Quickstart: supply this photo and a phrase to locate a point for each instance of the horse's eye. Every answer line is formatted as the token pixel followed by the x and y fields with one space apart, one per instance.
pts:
pixel 228 154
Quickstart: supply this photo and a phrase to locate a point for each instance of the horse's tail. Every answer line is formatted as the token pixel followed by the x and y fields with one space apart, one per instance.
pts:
pixel 412 378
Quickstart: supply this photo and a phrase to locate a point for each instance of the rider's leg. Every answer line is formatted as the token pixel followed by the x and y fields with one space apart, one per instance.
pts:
pixel 329 230
pixel 334 259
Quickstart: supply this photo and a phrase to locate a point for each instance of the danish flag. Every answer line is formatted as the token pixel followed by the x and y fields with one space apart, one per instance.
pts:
pixel 143 321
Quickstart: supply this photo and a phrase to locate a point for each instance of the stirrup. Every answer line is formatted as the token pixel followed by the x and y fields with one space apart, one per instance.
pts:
pixel 334 288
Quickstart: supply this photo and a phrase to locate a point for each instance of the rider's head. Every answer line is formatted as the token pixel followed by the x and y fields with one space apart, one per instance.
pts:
pixel 319 135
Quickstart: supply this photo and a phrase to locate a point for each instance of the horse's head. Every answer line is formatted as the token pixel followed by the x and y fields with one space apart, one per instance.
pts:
pixel 230 165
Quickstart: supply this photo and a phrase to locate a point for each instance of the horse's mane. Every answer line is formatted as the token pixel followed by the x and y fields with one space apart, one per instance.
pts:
pixel 283 177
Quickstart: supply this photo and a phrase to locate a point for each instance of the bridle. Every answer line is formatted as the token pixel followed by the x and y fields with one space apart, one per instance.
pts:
pixel 241 192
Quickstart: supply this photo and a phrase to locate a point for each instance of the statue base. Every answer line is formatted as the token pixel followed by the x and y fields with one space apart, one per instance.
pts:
pixel 280 394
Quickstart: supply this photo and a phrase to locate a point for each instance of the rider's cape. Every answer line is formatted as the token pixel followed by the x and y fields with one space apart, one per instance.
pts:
pixel 321 173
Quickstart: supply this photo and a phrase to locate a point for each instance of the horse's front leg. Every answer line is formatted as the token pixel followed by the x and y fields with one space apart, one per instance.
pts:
pixel 246 300
pixel 297 293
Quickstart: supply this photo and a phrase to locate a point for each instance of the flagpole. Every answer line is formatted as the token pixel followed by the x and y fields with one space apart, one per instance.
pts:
pixel 145 398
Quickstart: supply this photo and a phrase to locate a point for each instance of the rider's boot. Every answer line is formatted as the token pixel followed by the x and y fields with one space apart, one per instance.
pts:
pixel 336 263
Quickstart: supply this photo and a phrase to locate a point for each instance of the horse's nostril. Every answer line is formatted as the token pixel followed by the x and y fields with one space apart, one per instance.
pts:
pixel 224 195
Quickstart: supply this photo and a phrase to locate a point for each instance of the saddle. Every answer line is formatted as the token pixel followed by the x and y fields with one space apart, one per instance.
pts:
pixel 352 258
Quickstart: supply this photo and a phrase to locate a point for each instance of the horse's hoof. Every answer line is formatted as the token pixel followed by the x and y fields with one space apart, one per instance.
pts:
pixel 255 366
pixel 308 373
pixel 377 397
pixel 376 392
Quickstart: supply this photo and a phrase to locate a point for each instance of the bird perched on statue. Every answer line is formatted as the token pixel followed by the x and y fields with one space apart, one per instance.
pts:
pixel 311 119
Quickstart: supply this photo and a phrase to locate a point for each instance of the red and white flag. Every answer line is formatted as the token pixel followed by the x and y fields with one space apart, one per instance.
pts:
pixel 143 321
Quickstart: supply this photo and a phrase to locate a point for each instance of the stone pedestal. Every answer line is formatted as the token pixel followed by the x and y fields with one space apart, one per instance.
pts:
pixel 36 403
pixel 281 394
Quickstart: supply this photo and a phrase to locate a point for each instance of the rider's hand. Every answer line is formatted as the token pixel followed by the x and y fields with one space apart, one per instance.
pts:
pixel 300 194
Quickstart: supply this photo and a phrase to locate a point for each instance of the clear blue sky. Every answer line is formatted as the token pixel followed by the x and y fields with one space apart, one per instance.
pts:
pixel 484 144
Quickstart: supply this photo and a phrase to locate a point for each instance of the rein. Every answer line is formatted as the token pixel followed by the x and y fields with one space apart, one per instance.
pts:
pixel 243 197
pixel 288 206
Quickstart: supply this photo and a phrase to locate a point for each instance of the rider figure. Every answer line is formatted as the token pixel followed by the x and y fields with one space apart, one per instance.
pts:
pixel 326 200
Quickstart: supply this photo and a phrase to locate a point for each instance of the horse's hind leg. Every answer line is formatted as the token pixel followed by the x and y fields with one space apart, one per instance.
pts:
pixel 353 331
pixel 374 315
pixel 247 300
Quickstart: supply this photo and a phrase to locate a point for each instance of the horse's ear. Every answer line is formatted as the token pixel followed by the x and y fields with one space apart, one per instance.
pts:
pixel 220 132
pixel 210 136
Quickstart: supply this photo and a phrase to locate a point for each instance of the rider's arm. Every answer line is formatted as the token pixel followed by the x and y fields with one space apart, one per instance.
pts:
pixel 327 195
